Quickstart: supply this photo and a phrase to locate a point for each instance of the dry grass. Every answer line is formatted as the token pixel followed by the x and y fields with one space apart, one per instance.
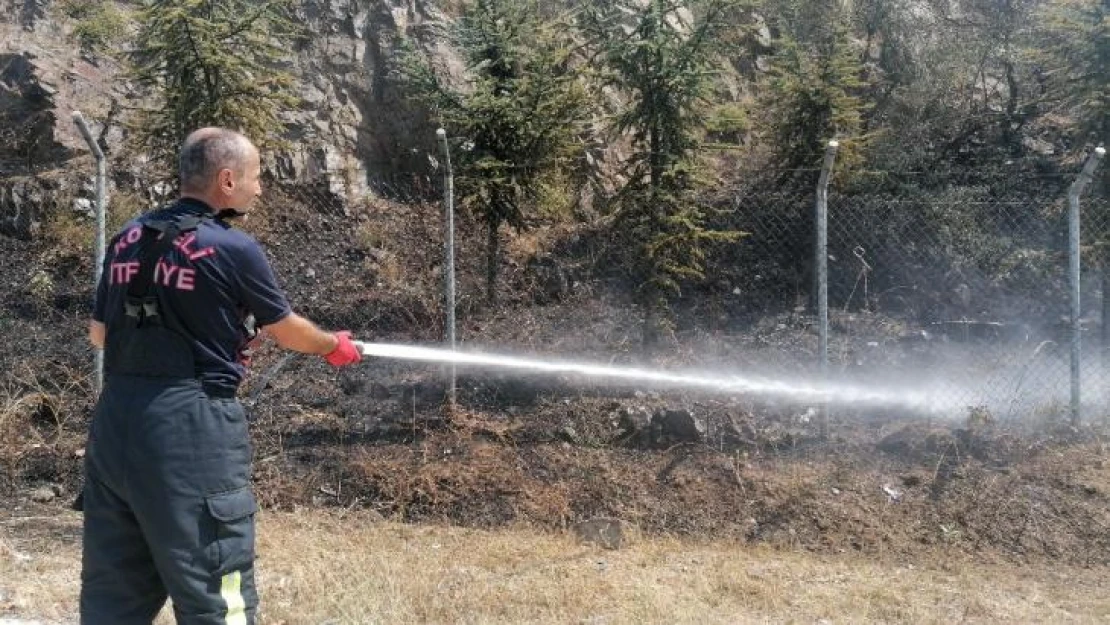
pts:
pixel 324 567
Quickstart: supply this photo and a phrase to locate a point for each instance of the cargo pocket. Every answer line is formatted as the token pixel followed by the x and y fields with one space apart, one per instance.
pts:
pixel 234 515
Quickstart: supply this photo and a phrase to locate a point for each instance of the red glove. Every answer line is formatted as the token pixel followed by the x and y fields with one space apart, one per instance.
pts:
pixel 345 353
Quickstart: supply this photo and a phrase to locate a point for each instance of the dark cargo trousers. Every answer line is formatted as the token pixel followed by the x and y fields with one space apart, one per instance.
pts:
pixel 168 507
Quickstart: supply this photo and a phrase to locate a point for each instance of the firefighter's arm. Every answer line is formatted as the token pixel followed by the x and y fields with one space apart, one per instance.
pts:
pixel 301 335
pixel 96 333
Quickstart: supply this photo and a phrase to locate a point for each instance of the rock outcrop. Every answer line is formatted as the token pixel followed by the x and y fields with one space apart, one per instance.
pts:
pixel 352 133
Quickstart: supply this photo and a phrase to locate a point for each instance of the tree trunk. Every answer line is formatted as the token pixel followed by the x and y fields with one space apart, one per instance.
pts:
pixel 1011 133
pixel 649 334
pixel 492 253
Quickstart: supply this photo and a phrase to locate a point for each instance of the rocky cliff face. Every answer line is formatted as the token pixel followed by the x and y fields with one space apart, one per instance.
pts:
pixel 351 130
pixel 353 125
pixel 41 80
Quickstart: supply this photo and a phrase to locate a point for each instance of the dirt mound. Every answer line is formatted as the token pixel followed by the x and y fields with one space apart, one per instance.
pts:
pixel 838 496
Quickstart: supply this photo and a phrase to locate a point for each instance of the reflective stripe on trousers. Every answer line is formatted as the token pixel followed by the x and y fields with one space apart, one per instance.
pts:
pixel 231 592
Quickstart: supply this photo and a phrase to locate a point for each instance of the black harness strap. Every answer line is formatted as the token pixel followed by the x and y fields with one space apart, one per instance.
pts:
pixel 158 235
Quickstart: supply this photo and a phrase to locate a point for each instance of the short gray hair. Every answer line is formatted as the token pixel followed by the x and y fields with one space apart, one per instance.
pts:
pixel 207 151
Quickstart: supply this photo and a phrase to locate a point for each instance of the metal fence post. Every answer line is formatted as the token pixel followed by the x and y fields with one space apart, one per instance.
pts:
pixel 449 261
pixel 1074 192
pixel 822 270
pixel 98 259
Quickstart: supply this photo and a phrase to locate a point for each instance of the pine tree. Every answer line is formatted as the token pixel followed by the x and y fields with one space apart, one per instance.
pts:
pixel 519 117
pixel 661 54
pixel 210 63
pixel 1075 55
pixel 815 89
pixel 99 25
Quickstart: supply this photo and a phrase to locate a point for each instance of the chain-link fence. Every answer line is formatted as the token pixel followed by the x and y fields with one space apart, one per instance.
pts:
pixel 954 286
pixel 962 291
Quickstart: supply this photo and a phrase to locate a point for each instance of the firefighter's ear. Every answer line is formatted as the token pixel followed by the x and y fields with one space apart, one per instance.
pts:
pixel 225 179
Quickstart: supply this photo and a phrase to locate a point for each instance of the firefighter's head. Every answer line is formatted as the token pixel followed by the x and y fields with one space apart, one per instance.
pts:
pixel 220 167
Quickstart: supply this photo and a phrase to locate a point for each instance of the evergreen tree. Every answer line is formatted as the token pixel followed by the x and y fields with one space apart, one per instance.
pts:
pixel 99 25
pixel 661 54
pixel 211 63
pixel 519 116
pixel 815 92
pixel 1075 55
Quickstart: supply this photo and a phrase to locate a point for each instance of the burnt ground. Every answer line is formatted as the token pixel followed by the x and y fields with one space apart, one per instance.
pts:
pixel 550 452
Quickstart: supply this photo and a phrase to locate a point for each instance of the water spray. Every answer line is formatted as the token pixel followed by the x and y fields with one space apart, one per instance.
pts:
pixel 731 383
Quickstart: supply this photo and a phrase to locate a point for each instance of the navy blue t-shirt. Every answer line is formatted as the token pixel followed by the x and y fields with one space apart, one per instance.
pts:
pixel 210 278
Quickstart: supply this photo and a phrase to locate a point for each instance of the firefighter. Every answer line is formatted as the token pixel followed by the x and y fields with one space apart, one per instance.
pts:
pixel 167 499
